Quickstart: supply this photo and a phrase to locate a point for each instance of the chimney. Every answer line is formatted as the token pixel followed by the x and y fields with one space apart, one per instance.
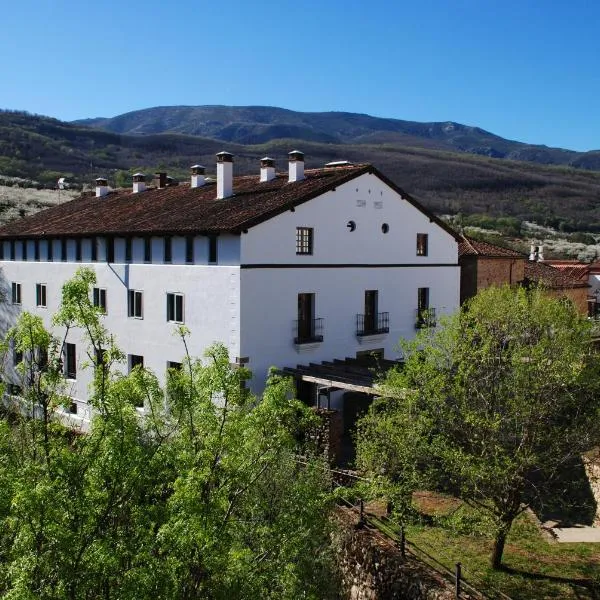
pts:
pixel 533 252
pixel 101 187
pixel 296 165
pixel 224 175
pixel 267 169
pixel 139 183
pixel 541 253
pixel 161 179
pixel 197 176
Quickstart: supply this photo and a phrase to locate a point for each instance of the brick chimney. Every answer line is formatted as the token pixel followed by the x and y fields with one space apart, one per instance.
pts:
pixel 139 183
pixel 296 169
pixel 224 175
pixel 267 169
pixel 197 176
pixel 101 187
pixel 161 179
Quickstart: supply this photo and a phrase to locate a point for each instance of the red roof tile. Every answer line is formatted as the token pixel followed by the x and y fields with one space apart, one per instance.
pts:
pixel 551 277
pixel 471 247
pixel 572 268
pixel 182 209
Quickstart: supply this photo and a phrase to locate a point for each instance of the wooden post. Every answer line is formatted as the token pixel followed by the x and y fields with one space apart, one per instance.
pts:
pixel 458 577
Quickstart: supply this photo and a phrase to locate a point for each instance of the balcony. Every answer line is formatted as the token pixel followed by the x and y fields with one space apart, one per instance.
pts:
pixel 309 331
pixel 424 317
pixel 374 324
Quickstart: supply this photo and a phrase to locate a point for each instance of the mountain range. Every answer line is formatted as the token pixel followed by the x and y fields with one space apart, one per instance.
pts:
pixel 430 161
pixel 250 125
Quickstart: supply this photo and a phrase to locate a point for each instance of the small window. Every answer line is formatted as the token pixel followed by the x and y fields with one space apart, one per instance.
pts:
pixel 176 366
pixel 422 242
pixel 135 360
pixel 147 249
pixel 40 295
pixel 78 250
pixel 135 304
pixel 175 308
pixel 385 227
pixel 63 249
pixel 168 249
pixel 24 249
pixel 16 293
pixel 70 368
pixel 50 250
pixel 128 253
pixel 94 249
pixel 423 298
pixel 351 225
pixel 110 249
pixel 99 298
pixel 36 250
pixel 304 240
pixel 12 249
pixel 189 249
pixel 212 249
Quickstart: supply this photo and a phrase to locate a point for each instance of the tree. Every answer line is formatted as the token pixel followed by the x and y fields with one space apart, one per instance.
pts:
pixel 198 496
pixel 491 406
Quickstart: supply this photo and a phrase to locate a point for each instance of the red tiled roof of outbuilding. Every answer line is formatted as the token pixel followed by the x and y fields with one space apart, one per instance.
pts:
pixel 550 276
pixel 472 247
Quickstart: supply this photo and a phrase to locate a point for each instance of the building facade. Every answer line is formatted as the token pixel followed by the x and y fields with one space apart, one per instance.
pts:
pixel 283 268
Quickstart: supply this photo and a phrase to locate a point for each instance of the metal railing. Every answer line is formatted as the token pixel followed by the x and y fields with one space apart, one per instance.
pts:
pixel 308 331
pixel 373 324
pixel 425 317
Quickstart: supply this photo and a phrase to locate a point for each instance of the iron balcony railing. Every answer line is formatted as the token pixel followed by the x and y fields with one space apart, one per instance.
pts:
pixel 425 317
pixel 307 331
pixel 373 324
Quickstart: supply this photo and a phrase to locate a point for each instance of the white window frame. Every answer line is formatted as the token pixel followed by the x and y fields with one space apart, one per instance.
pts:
pixel 132 304
pixel 16 293
pixel 174 296
pixel 97 294
pixel 41 295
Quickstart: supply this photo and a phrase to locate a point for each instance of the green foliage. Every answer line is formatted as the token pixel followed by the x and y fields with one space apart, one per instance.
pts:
pixel 198 495
pixel 488 407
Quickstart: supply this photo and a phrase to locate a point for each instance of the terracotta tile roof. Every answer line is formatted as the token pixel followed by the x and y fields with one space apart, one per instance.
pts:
pixel 572 268
pixel 550 276
pixel 470 247
pixel 182 209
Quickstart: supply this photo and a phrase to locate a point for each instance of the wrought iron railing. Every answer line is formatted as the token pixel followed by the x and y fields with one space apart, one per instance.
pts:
pixel 308 331
pixel 425 317
pixel 373 324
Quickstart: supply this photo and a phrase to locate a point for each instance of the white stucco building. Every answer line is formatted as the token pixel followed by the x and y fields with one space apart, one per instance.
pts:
pixel 283 268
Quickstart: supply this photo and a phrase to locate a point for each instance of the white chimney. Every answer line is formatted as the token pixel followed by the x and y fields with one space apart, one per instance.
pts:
pixel 296 165
pixel 541 253
pixel 101 187
pixel 139 183
pixel 267 169
pixel 224 175
pixel 533 252
pixel 197 176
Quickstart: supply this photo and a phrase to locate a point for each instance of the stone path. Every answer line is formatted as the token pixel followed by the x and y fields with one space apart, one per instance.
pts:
pixel 570 535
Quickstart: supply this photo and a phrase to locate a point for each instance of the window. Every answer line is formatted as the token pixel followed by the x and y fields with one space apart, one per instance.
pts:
pixel 148 250
pixel 16 293
pixel 425 315
pixel 135 304
pixel 1 250
pixel 99 298
pixel 371 301
pixel 176 366
pixel 135 360
pixel 308 328
pixel 70 368
pixel 12 249
pixel 40 295
pixel 94 249
pixel 110 249
pixel 36 250
pixel 168 249
pixel 175 308
pixel 422 243
pixel 304 240
pixel 212 249
pixel 189 249
pixel 423 298
pixel 63 249
pixel 128 253
pixel 78 250
pixel 24 249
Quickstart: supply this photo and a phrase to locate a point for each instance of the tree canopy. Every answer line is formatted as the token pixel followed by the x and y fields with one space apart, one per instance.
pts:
pixel 492 406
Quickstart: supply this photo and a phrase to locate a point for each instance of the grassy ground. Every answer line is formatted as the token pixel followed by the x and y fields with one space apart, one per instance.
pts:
pixel 536 567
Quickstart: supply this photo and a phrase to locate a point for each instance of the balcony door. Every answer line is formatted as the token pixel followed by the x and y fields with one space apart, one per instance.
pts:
pixel 306 315
pixel 371 298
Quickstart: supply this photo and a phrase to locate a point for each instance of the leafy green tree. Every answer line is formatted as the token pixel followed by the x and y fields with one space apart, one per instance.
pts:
pixel 491 406
pixel 196 495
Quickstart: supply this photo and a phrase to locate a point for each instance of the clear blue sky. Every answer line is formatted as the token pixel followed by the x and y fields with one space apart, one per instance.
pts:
pixel 523 69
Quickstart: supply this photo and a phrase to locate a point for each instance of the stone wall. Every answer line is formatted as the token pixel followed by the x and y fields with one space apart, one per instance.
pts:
pixel 591 462
pixel 372 568
pixel 480 272
pixel 327 435
pixel 578 296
